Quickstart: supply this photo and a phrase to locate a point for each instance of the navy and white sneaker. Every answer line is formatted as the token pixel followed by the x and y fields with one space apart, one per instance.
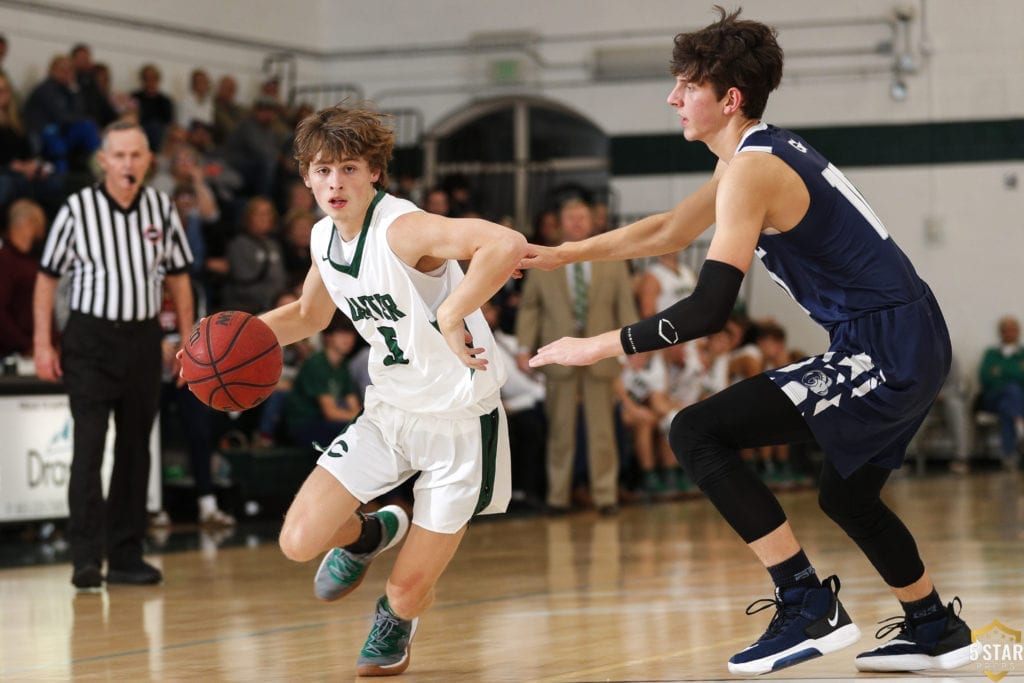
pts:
pixel 937 645
pixel 808 623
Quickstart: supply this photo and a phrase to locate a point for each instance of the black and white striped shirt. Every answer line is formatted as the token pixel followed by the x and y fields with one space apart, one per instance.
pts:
pixel 117 257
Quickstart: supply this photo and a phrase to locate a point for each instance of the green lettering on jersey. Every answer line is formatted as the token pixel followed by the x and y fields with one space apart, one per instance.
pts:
pixel 391 310
pixel 397 355
pixel 356 311
pixel 374 307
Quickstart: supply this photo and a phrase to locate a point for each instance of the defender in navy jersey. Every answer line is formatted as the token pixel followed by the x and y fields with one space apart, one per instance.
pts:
pixel 772 195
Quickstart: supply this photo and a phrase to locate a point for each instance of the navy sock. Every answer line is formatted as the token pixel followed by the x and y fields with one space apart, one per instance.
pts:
pixel 369 536
pixel 928 608
pixel 796 572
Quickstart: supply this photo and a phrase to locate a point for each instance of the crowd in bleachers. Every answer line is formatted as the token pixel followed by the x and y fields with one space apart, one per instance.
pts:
pixel 247 214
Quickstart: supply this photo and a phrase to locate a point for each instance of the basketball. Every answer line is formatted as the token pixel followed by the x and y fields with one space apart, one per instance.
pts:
pixel 232 361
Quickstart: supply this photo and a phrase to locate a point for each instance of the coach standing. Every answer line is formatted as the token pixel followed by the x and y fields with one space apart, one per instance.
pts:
pixel 120 241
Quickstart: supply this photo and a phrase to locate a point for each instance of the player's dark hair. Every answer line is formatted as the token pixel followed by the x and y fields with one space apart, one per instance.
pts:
pixel 732 53
pixel 340 132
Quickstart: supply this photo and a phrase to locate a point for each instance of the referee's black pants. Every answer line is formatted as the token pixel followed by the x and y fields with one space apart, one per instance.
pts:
pixel 110 367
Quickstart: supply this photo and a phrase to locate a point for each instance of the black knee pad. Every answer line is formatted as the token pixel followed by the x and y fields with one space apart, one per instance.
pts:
pixel 699 451
pixel 687 437
pixel 857 517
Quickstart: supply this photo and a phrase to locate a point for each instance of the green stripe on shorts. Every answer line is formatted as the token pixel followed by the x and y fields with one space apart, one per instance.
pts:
pixel 489 453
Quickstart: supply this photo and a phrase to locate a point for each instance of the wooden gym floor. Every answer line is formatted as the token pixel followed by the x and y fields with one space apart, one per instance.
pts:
pixel 655 594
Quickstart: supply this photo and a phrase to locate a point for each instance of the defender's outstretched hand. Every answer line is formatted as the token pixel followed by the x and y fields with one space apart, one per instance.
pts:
pixel 578 351
pixel 542 258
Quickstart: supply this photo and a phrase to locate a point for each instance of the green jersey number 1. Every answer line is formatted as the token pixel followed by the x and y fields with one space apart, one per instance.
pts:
pixel 397 356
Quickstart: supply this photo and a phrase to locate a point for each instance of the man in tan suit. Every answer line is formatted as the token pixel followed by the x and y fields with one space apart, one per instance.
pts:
pixel 578 300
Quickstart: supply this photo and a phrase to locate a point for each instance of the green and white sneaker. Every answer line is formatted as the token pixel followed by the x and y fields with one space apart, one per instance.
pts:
pixel 386 652
pixel 341 571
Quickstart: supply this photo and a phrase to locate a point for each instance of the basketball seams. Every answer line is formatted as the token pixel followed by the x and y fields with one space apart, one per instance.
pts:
pixel 231 344
pixel 218 372
pixel 238 394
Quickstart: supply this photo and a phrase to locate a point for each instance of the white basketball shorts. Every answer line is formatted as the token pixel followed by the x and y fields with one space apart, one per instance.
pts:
pixel 464 463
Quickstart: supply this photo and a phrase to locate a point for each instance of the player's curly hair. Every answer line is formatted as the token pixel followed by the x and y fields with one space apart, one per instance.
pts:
pixel 732 52
pixel 344 132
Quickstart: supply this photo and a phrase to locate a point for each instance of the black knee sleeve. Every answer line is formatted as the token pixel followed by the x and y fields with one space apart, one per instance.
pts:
pixel 856 506
pixel 732 487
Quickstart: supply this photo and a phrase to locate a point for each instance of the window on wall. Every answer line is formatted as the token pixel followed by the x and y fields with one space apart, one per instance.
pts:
pixel 519 156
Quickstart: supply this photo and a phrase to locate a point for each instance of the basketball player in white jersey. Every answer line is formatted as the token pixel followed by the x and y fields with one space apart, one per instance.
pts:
pixel 433 406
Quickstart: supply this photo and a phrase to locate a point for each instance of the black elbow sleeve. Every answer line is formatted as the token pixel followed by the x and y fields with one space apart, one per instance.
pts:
pixel 704 312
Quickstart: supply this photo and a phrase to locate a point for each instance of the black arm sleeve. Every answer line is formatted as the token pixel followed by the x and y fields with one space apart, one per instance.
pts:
pixel 704 312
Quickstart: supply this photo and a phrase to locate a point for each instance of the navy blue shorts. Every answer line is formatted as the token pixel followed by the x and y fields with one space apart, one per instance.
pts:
pixel 867 396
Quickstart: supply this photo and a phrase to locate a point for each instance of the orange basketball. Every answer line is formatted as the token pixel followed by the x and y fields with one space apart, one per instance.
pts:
pixel 232 361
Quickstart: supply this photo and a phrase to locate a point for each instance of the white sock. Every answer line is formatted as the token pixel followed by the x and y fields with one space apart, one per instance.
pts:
pixel 207 504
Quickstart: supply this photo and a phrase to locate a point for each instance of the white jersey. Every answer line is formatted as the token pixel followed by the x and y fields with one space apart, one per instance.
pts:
pixel 675 284
pixel 642 383
pixel 393 307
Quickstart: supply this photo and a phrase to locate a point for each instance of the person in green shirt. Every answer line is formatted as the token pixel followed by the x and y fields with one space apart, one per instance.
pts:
pixel 323 399
pixel 1002 387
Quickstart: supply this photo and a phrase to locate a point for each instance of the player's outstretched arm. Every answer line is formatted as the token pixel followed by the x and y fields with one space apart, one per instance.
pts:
pixel 651 236
pixel 579 350
pixel 307 316
pixel 424 240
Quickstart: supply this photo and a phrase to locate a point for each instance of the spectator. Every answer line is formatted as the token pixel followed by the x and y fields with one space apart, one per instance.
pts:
pixel 323 398
pixel 197 105
pixel 436 201
pixel 546 230
pixel 255 265
pixel 1002 387
pixel 95 102
pixel 227 113
pixel 26 227
pixel 3 71
pixel 298 226
pixel 407 186
pixel 254 147
pixel 663 283
pixel 643 402
pixel 224 180
pixel 184 169
pixel 460 195
pixel 156 110
pixel 573 301
pixel 57 121
pixel 3 56
pixel 22 174
pixel 953 405
pixel 601 218
pixel 299 198
pixel 121 103
pixel 270 95
pixel 197 210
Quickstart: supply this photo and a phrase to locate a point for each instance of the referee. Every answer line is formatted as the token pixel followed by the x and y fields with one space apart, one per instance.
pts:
pixel 120 242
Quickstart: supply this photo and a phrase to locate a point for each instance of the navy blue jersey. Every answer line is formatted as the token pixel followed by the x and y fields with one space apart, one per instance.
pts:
pixel 889 348
pixel 839 262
